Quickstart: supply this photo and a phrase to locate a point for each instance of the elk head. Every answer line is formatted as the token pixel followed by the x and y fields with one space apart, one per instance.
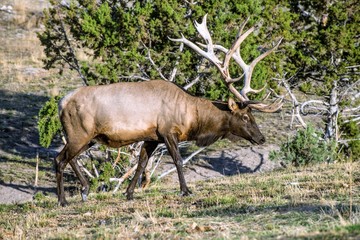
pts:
pixel 223 66
pixel 242 123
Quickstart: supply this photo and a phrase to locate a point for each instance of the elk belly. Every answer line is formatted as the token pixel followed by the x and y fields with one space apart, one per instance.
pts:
pixel 121 137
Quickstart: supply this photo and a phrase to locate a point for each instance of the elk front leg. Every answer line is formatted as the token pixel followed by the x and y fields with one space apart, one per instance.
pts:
pixel 171 143
pixel 146 150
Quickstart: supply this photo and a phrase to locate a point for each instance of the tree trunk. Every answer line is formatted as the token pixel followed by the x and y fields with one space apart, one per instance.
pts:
pixel 331 131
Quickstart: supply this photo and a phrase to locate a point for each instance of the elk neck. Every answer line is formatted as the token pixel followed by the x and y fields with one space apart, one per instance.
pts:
pixel 213 120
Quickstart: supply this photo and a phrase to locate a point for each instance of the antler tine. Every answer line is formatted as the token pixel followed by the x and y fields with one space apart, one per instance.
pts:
pixel 262 56
pixel 240 32
pixel 242 27
pixel 250 68
pixel 224 69
pixel 236 46
pixel 209 54
pixel 270 108
pixel 236 93
pixel 196 48
pixel 232 53
pixel 205 34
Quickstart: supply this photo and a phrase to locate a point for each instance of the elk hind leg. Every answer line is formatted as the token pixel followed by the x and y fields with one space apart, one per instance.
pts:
pixel 146 150
pixel 85 186
pixel 146 179
pixel 65 156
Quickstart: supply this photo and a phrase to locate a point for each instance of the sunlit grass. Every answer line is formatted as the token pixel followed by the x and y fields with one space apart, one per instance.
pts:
pixel 292 203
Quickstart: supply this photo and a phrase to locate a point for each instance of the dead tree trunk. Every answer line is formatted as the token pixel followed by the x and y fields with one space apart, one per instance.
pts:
pixel 295 111
pixel 331 130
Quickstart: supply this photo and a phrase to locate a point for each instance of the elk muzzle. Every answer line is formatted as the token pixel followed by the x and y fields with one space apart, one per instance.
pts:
pixel 258 139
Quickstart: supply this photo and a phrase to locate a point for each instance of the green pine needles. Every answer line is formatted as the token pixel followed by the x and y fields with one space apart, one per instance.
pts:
pixel 49 124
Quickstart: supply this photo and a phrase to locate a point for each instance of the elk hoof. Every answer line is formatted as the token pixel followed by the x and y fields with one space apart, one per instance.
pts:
pixel 84 197
pixel 84 193
pixel 129 195
pixel 63 203
pixel 186 193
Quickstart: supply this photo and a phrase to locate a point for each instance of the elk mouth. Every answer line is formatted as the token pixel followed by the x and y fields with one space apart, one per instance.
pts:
pixel 235 138
pixel 258 141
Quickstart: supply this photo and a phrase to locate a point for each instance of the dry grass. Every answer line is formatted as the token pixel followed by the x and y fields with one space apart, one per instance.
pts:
pixel 313 202
pixel 21 54
pixel 27 13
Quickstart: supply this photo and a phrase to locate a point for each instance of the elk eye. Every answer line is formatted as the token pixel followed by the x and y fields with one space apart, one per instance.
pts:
pixel 245 118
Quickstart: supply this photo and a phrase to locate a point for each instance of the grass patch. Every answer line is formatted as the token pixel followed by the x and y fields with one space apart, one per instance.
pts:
pixel 310 203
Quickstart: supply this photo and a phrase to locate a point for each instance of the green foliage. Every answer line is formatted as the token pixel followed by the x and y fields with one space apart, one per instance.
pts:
pixel 320 40
pixel 106 171
pixel 324 39
pixel 306 147
pixel 117 36
pixel 306 87
pixel 351 131
pixel 39 196
pixel 48 124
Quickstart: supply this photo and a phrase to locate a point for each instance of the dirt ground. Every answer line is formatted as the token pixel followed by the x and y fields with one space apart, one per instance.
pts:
pixel 208 165
pixel 220 163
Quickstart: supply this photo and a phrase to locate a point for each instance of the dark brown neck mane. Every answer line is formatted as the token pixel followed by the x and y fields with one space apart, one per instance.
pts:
pixel 212 127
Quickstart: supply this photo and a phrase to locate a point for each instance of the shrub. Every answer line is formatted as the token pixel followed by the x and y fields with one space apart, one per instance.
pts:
pixel 306 147
pixel 351 131
pixel 49 124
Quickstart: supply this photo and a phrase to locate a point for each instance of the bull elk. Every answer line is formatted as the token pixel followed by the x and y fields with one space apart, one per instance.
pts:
pixel 156 112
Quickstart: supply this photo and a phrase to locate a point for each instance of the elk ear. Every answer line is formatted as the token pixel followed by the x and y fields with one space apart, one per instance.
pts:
pixel 232 105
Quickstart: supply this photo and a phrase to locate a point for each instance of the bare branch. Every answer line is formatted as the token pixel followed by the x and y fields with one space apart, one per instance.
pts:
pixel 134 77
pixel 95 170
pixel 308 104
pixel 193 82
pixel 153 63
pixel 84 169
pixel 36 169
pixel 75 64
pixel 295 103
pixel 184 162
pixel 123 178
pixel 174 71
pixel 232 53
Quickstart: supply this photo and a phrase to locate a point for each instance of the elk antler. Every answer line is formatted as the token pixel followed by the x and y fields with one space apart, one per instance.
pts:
pixel 232 53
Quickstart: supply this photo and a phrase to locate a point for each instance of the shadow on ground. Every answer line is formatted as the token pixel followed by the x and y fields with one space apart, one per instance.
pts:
pixel 18 123
pixel 303 208
pixel 229 164
pixel 19 140
pixel 239 159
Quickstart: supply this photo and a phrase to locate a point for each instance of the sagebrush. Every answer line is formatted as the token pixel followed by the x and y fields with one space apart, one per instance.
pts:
pixel 306 147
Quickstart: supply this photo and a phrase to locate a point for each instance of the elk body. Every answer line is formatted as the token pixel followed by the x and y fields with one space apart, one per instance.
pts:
pixel 159 112
pixel 155 112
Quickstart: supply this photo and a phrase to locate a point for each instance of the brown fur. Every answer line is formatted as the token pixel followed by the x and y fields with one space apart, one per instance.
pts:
pixel 154 112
